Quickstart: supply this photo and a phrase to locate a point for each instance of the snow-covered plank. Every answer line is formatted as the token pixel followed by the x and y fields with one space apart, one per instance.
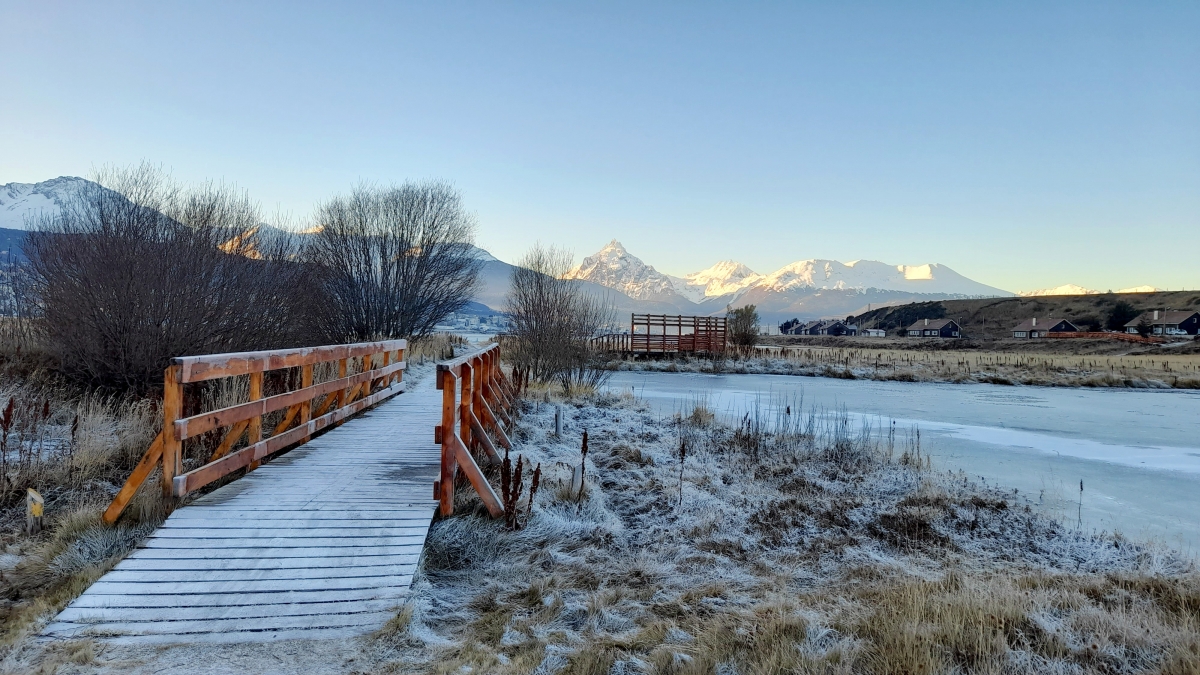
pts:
pixel 101 614
pixel 97 600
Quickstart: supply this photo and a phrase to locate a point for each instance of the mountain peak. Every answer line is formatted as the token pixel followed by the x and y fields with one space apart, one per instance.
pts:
pixel 1065 289
pixel 23 203
pixel 614 267
pixel 1075 289
pixel 724 278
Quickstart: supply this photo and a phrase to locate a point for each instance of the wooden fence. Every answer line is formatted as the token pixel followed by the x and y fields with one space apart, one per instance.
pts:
pixel 476 398
pixel 1109 335
pixel 667 334
pixel 309 409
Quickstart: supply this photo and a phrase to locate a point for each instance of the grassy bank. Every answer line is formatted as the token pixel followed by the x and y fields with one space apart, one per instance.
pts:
pixel 803 544
pixel 1155 369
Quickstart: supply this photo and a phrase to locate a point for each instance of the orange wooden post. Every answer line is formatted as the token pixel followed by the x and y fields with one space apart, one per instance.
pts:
pixel 306 378
pixel 172 454
pixel 399 357
pixel 477 389
pixel 446 484
pixel 387 379
pixel 464 404
pixel 344 393
pixel 255 427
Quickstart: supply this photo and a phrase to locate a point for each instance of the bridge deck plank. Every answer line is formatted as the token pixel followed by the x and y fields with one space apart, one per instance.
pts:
pixel 319 543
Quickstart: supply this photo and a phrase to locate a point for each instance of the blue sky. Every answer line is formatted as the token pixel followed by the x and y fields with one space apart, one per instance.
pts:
pixel 1025 145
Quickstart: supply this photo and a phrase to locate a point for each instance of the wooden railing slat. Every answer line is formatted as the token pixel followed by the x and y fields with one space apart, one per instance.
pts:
pixel 166 450
pixel 198 424
pixel 199 368
pixel 198 478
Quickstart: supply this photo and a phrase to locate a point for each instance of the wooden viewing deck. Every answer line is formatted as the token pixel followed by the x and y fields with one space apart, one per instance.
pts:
pixel 661 334
pixel 320 543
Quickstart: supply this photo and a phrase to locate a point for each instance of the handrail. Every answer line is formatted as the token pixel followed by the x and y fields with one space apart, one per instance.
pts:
pixel 476 399
pixel 343 396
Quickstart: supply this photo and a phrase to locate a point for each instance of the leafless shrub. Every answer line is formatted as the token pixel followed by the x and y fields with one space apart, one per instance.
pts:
pixel 393 261
pixel 19 310
pixel 553 320
pixel 136 270
pixel 743 327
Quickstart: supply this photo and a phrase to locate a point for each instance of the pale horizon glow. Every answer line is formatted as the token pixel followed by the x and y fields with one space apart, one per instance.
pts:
pixel 1024 145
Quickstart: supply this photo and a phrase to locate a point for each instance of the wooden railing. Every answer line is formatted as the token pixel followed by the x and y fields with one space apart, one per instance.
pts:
pixel 1109 335
pixel 309 409
pixel 477 398
pixel 610 342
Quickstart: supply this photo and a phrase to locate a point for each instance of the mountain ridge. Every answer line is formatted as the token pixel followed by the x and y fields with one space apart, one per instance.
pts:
pixel 809 288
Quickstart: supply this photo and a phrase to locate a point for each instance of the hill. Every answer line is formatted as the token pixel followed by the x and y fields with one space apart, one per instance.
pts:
pixel 994 318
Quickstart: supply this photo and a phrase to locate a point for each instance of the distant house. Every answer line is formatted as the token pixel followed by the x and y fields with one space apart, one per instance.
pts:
pixel 946 328
pixel 823 327
pixel 874 332
pixel 837 327
pixel 1036 328
pixel 1167 323
pixel 806 328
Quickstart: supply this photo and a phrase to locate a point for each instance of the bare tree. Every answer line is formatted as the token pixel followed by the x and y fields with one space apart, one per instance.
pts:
pixel 393 261
pixel 19 310
pixel 742 324
pixel 553 319
pixel 136 270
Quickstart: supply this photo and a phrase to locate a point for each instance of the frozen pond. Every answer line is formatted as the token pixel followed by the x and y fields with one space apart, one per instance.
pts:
pixel 1136 451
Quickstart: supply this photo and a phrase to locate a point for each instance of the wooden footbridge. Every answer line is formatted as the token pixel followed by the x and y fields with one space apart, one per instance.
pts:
pixel 320 542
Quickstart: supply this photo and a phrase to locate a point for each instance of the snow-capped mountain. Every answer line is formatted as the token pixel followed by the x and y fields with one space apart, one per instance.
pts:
pixel 614 267
pixel 21 204
pixel 865 274
pixel 1074 289
pixel 725 278
pixel 1065 289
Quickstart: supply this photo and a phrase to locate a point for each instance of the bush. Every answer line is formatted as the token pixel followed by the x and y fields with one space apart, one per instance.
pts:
pixel 1121 314
pixel 553 322
pixel 393 261
pixel 136 270
pixel 742 324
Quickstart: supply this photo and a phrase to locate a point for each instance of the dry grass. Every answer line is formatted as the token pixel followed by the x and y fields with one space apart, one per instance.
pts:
pixel 1161 369
pixel 75 449
pixel 802 545
pixel 434 347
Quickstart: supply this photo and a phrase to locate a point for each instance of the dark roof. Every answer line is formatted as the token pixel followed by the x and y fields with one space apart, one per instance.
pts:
pixel 1163 318
pixel 934 324
pixel 1043 324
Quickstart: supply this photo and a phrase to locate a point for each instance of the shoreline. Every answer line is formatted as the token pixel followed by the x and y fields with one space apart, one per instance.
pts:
pixel 931 371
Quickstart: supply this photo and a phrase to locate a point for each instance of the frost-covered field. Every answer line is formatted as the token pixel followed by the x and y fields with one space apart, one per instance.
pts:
pixel 1168 371
pixel 803 545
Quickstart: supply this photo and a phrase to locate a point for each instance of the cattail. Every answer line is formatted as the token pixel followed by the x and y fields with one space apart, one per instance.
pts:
pixel 46 409
pixel 583 464
pixel 516 485
pixel 533 487
pixel 682 458
pixel 510 506
pixel 505 477
pixel 6 420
